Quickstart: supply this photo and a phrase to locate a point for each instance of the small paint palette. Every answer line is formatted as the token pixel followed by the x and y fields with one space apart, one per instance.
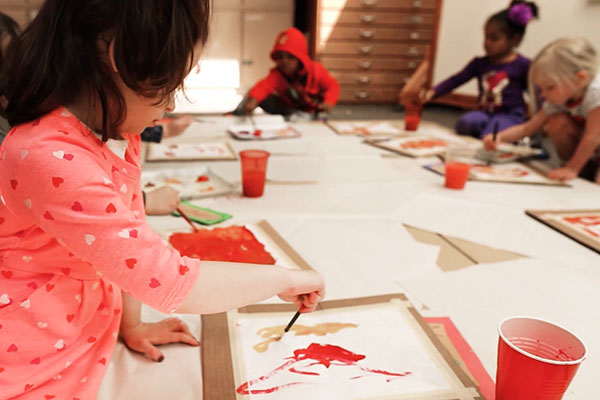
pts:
pixel 194 183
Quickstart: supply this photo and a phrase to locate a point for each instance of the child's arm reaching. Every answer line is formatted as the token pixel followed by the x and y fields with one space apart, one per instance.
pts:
pixel 516 132
pixel 584 150
pixel 456 80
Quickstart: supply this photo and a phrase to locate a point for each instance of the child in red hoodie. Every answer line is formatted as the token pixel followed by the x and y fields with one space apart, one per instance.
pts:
pixel 296 83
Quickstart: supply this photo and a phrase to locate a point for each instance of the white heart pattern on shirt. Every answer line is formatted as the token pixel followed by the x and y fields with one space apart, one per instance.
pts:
pixel 106 181
pixel 59 345
pixel 42 325
pixel 27 258
pixel 24 154
pixel 89 238
pixel 78 298
pixel 4 299
pixel 28 203
pixel 123 188
pixel 58 154
pixel 26 304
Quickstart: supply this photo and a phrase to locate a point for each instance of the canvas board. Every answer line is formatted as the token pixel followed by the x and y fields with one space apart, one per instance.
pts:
pixel 208 151
pixel 507 152
pixel 368 348
pixel 191 183
pixel 582 226
pixel 367 128
pixel 412 146
pixel 503 173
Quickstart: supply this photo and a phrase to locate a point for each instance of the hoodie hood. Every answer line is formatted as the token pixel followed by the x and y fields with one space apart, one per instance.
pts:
pixel 293 41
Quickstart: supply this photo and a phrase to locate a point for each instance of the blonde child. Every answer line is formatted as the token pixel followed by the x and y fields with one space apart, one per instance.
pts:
pixel 501 74
pixel 565 73
pixel 82 81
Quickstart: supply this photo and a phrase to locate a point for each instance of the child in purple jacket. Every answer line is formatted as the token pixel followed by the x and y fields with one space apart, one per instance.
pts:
pixel 501 73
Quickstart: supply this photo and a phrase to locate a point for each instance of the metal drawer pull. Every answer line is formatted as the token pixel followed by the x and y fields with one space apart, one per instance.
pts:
pixel 369 3
pixel 362 95
pixel 411 64
pixel 366 34
pixel 414 35
pixel 416 3
pixel 364 64
pixel 416 19
pixel 366 49
pixel 413 50
pixel 363 79
pixel 367 18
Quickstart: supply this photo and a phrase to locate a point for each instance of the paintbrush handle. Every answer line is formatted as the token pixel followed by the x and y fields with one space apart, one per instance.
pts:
pixel 294 318
pixel 189 221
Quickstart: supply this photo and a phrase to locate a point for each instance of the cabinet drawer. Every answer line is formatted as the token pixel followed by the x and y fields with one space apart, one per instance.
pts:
pixel 374 18
pixel 375 34
pixel 381 49
pixel 374 4
pixel 367 80
pixel 371 95
pixel 369 64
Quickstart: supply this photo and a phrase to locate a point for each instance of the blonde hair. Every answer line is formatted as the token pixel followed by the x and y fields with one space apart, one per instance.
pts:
pixel 562 59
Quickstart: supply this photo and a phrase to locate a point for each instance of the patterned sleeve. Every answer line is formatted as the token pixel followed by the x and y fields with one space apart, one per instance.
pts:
pixel 67 190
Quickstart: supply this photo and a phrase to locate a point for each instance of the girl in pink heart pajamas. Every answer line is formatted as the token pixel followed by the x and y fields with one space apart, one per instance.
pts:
pixel 76 253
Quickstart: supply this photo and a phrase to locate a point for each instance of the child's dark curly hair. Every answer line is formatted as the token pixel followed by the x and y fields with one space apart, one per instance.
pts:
pixel 514 19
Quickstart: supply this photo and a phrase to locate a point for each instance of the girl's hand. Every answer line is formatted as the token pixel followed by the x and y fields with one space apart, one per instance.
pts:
pixel 307 290
pixel 162 201
pixel 489 144
pixel 143 337
pixel 563 174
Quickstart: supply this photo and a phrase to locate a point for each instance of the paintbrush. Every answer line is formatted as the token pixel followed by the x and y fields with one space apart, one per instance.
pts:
pixel 494 136
pixel 289 325
pixel 187 219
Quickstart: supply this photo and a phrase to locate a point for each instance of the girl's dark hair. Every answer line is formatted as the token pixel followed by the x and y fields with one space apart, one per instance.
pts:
pixel 57 58
pixel 513 21
pixel 9 27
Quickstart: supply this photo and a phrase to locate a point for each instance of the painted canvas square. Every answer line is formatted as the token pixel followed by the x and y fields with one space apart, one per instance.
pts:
pixel 191 183
pixel 219 150
pixel 256 243
pixel 412 146
pixel 509 172
pixel 580 225
pixel 372 348
pixel 366 128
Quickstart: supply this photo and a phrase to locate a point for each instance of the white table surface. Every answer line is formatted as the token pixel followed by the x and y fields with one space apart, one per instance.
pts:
pixel 341 205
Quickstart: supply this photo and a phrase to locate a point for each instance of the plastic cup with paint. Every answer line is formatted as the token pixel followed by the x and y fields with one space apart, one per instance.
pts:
pixel 254 171
pixel 457 167
pixel 412 116
pixel 536 359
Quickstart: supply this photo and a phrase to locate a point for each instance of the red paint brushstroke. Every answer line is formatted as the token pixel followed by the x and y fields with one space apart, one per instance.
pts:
pixel 234 244
pixel 585 222
pixel 322 354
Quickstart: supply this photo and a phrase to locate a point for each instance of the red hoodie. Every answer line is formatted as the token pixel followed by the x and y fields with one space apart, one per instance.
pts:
pixel 319 85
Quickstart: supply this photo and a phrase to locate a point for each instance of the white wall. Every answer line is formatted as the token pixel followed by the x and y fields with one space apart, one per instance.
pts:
pixel 461 30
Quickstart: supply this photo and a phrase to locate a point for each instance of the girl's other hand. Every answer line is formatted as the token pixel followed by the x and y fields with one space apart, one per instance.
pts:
pixel 563 174
pixel 144 337
pixel 307 289
pixel 162 201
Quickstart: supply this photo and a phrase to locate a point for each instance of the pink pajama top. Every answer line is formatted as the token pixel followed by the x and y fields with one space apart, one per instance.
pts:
pixel 72 236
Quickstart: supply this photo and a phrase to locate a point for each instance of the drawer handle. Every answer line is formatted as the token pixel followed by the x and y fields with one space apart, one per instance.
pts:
pixel 413 50
pixel 366 34
pixel 363 79
pixel 411 64
pixel 416 3
pixel 369 3
pixel 366 49
pixel 367 18
pixel 364 64
pixel 414 36
pixel 416 19
pixel 362 95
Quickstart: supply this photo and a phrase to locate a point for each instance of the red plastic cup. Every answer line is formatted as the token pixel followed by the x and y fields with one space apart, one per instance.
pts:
pixel 457 174
pixel 254 171
pixel 412 116
pixel 536 359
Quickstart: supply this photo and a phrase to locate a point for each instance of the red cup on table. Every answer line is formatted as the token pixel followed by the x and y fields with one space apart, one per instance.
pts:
pixel 412 116
pixel 456 168
pixel 254 171
pixel 536 359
